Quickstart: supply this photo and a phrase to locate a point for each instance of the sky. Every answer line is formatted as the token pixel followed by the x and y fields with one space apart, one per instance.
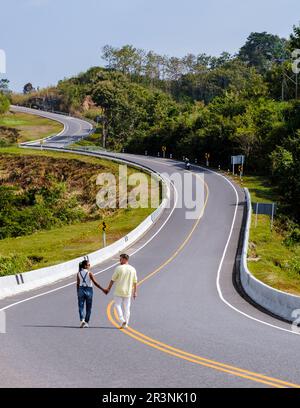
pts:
pixel 48 40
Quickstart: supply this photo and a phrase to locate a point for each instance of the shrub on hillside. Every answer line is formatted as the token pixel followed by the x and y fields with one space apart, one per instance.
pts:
pixel 13 264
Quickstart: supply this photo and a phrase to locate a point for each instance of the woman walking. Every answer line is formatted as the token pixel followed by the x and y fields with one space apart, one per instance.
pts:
pixel 85 281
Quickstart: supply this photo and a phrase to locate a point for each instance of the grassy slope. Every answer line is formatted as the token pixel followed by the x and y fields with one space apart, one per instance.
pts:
pixel 31 127
pixel 273 259
pixel 71 241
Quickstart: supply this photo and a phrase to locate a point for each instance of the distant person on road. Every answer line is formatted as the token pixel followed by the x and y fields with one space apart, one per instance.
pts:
pixel 187 163
pixel 125 279
pixel 85 281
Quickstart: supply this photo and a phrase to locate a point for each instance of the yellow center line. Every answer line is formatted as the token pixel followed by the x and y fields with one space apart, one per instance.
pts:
pixel 236 371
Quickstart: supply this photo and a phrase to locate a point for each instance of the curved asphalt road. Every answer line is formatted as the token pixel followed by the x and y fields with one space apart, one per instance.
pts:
pixel 74 129
pixel 189 326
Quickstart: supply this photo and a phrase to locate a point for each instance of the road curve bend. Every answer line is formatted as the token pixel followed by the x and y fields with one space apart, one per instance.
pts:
pixel 189 325
pixel 75 129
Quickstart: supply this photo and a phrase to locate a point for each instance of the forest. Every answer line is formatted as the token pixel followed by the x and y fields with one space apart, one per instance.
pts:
pixel 245 103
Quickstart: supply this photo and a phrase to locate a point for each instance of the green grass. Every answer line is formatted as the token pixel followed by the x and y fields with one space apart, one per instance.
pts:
pixel 72 241
pixel 259 187
pixel 61 244
pixel 270 260
pixel 275 263
pixel 31 127
pixel 95 139
pixel 45 153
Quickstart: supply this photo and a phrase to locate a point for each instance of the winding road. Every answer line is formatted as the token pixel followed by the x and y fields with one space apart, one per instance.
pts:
pixel 189 327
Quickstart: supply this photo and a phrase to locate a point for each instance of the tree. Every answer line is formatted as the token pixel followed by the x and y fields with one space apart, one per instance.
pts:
pixel 262 49
pixel 28 88
pixel 4 85
pixel 175 68
pixel 233 76
pixel 285 170
pixel 216 62
pixel 151 66
pixel 189 63
pixel 294 42
pixel 127 59
pixel 4 104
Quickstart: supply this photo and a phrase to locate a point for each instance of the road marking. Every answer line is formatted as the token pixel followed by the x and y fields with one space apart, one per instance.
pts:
pixel 103 270
pixel 228 369
pixel 182 354
pixel 184 242
pixel 218 278
pixel 221 264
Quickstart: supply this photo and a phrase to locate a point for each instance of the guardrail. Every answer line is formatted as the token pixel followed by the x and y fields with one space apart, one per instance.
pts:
pixel 15 284
pixel 279 303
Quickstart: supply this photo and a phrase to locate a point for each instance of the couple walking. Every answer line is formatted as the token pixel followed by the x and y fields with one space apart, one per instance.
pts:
pixel 125 280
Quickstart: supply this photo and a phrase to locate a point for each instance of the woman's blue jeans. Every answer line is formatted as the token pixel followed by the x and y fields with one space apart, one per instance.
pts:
pixel 85 297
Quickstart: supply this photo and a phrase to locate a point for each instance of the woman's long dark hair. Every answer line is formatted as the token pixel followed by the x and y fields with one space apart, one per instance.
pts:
pixel 84 264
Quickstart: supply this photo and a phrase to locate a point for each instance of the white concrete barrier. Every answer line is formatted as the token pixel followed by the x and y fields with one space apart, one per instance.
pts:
pixel 13 285
pixel 279 303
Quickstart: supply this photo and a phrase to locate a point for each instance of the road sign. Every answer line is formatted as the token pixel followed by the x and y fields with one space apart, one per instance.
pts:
pixel 264 209
pixel 238 160
pixel 164 149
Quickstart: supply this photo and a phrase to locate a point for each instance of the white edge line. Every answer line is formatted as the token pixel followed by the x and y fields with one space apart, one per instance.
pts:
pixel 29 112
pixel 103 270
pixel 221 265
pixel 218 274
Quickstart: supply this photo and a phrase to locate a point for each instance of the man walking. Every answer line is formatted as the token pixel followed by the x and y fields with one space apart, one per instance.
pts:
pixel 126 286
pixel 85 281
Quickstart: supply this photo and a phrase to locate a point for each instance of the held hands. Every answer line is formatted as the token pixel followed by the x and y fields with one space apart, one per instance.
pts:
pixel 105 291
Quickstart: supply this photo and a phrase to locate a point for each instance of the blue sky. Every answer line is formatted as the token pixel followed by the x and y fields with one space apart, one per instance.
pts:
pixel 47 40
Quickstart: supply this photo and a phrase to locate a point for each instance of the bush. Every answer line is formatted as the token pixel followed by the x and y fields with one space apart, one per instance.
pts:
pixel 294 265
pixel 36 209
pixel 4 104
pixel 293 237
pixel 13 264
pixel 8 136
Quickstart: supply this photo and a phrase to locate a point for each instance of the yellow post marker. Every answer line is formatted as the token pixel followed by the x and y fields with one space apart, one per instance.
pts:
pixel 207 157
pixel 103 226
pixel 164 149
pixel 241 171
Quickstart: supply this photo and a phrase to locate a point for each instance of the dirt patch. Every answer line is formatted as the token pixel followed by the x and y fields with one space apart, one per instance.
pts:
pixel 28 172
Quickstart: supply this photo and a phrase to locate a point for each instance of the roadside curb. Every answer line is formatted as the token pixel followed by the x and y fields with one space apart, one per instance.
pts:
pixel 20 283
pixel 276 302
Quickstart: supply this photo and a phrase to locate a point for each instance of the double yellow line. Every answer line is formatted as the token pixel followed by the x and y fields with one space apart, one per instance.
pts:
pixel 193 358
